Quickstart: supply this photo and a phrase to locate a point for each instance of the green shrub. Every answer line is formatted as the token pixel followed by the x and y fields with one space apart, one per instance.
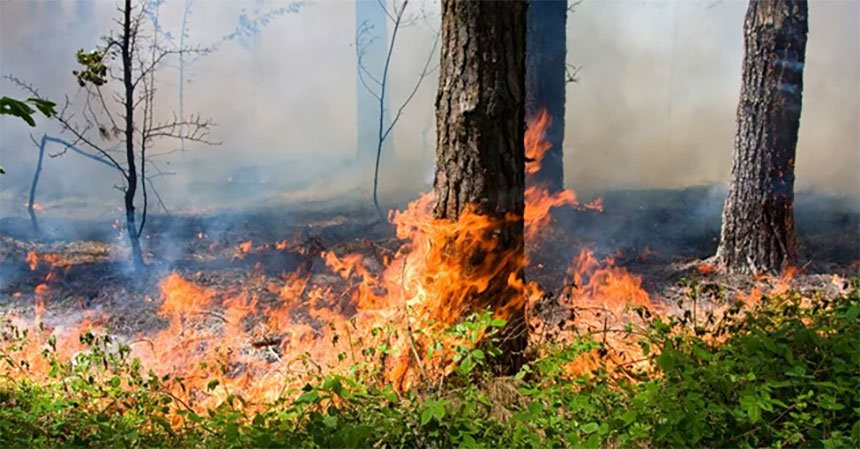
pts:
pixel 786 375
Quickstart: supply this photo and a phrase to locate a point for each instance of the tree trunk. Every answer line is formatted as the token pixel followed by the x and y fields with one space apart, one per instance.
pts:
pixel 546 80
pixel 758 218
pixel 127 48
pixel 32 200
pixel 479 149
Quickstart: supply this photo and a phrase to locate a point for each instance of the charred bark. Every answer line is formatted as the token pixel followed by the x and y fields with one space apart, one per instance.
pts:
pixel 546 80
pixel 479 149
pixel 127 49
pixel 758 217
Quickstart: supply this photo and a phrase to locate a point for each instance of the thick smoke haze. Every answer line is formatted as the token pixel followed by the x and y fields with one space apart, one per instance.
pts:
pixel 654 105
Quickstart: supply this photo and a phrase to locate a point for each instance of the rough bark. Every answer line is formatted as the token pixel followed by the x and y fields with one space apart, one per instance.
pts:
pixel 758 217
pixel 546 80
pixel 479 149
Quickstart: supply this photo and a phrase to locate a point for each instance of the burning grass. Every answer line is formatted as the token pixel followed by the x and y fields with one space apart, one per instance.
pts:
pixel 393 343
pixel 776 370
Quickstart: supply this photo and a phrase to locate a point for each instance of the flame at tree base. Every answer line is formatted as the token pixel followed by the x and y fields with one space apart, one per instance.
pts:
pixel 390 323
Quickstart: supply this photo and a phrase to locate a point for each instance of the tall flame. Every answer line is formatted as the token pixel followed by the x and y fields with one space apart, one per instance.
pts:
pixel 328 323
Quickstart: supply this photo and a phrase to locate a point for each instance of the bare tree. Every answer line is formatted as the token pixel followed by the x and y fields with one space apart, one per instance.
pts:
pixel 42 145
pixel 371 46
pixel 758 217
pixel 116 120
pixel 378 86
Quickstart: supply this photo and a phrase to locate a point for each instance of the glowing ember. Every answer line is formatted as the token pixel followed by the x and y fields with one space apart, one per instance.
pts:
pixel 707 269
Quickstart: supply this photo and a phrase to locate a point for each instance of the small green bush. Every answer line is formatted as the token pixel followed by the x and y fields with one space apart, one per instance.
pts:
pixel 785 376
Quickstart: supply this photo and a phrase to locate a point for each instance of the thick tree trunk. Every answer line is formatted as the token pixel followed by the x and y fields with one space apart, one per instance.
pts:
pixel 546 80
pixel 758 218
pixel 479 153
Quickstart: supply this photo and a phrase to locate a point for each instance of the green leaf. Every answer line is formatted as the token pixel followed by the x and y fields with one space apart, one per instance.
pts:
pixel 433 409
pixel 590 427
pixel 11 106
pixel 330 421
pixel 629 416
pixel 163 424
pixel 498 322
pixel 308 397
pixel 426 416
pixel 44 106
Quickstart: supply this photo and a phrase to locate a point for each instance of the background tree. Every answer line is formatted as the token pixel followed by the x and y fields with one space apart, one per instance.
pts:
pixel 249 25
pixel 546 80
pixel 758 217
pixel 479 130
pixel 371 45
pixel 124 130
pixel 374 79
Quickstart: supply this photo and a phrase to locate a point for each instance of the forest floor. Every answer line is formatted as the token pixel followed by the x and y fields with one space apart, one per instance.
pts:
pixel 660 235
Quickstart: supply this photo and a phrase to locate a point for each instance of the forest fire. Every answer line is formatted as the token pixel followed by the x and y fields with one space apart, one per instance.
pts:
pixel 407 305
pixel 334 278
pixel 402 307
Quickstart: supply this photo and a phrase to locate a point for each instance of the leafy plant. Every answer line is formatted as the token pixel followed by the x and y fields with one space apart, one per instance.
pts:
pixel 22 109
pixel 786 375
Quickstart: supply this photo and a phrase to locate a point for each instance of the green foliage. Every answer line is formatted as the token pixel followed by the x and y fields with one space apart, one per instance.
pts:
pixel 94 68
pixel 17 108
pixel 786 375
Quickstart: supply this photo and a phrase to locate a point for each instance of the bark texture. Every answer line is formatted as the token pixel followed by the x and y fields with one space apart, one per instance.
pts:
pixel 758 217
pixel 546 80
pixel 479 149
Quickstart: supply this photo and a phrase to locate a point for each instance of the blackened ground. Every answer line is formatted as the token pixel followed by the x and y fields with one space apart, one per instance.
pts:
pixel 661 235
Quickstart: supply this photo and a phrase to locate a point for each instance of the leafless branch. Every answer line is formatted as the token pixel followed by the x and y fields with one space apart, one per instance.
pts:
pixel 362 43
pixel 572 4
pixel 571 73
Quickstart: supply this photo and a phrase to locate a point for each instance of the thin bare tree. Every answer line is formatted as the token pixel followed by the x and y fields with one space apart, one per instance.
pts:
pixel 42 146
pixel 378 86
pixel 116 119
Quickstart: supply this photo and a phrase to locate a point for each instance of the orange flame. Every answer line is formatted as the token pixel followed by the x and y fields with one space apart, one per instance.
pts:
pixel 428 284
pixel 539 201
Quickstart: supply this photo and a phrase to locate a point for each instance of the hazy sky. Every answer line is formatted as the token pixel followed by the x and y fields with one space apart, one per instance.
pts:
pixel 654 106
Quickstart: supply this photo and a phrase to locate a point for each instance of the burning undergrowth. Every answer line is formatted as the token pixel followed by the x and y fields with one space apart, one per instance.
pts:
pixel 276 314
